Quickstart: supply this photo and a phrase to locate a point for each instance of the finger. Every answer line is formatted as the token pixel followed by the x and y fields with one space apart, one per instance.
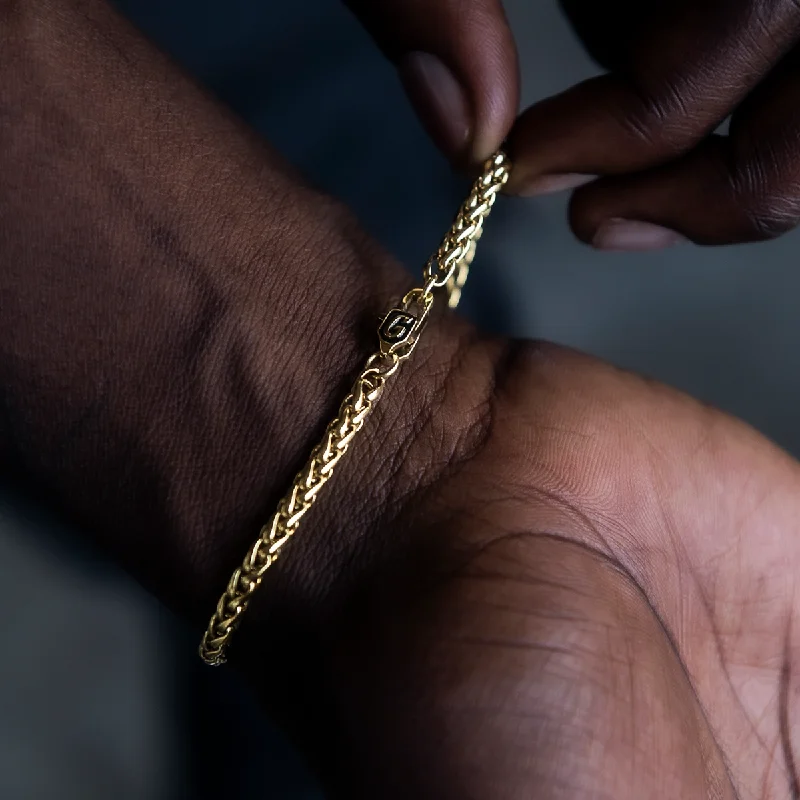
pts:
pixel 684 73
pixel 458 64
pixel 741 188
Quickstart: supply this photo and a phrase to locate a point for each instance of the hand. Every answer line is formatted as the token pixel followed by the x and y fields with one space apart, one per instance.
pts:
pixel 535 576
pixel 677 70
pixel 597 598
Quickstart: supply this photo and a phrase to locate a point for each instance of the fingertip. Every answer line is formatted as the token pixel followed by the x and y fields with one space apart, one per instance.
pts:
pixel 467 123
pixel 632 235
pixel 555 183
pixel 495 89
pixel 615 221
pixel 440 101
pixel 585 215
pixel 688 200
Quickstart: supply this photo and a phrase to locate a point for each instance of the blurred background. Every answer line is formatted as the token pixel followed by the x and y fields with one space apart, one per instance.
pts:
pixel 101 692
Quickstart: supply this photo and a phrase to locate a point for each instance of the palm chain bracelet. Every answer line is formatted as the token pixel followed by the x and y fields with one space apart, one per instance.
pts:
pixel 398 333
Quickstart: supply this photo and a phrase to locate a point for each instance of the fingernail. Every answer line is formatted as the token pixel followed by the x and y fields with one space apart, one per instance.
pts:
pixel 631 235
pixel 439 100
pixel 550 184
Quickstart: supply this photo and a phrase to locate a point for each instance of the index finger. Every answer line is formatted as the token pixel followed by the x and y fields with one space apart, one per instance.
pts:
pixel 681 75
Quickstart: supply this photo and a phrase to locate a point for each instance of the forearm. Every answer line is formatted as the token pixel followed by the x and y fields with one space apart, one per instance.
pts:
pixel 181 317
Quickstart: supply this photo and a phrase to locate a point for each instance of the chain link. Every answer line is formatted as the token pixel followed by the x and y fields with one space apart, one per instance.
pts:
pixel 399 333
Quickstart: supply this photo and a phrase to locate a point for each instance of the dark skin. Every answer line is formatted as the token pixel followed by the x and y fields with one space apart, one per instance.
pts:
pixel 537 575
pixel 677 69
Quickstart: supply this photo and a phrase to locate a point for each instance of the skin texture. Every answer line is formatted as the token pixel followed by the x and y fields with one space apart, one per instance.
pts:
pixel 677 70
pixel 537 576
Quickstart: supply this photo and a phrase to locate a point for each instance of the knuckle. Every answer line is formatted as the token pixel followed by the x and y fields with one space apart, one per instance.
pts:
pixel 770 219
pixel 664 118
pixel 772 17
pixel 768 198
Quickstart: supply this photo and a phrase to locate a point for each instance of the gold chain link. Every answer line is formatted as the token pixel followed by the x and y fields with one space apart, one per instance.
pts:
pixel 398 333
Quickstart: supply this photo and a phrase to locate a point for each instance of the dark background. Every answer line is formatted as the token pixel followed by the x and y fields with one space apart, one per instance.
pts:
pixel 102 695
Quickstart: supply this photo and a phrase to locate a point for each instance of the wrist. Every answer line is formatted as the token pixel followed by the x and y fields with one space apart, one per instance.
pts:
pixel 420 428
pixel 399 334
pixel 183 319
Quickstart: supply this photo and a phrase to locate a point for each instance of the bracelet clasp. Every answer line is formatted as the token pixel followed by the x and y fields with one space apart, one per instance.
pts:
pixel 401 327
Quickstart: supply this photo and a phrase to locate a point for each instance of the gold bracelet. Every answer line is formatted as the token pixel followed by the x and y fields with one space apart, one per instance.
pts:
pixel 398 333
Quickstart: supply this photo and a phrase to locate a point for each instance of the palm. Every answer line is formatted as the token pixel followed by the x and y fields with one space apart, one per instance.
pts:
pixel 601 606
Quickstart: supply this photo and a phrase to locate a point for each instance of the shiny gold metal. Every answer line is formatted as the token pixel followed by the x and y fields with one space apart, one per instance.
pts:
pixel 398 334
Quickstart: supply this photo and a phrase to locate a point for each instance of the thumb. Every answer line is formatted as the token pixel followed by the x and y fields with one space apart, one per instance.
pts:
pixel 458 64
